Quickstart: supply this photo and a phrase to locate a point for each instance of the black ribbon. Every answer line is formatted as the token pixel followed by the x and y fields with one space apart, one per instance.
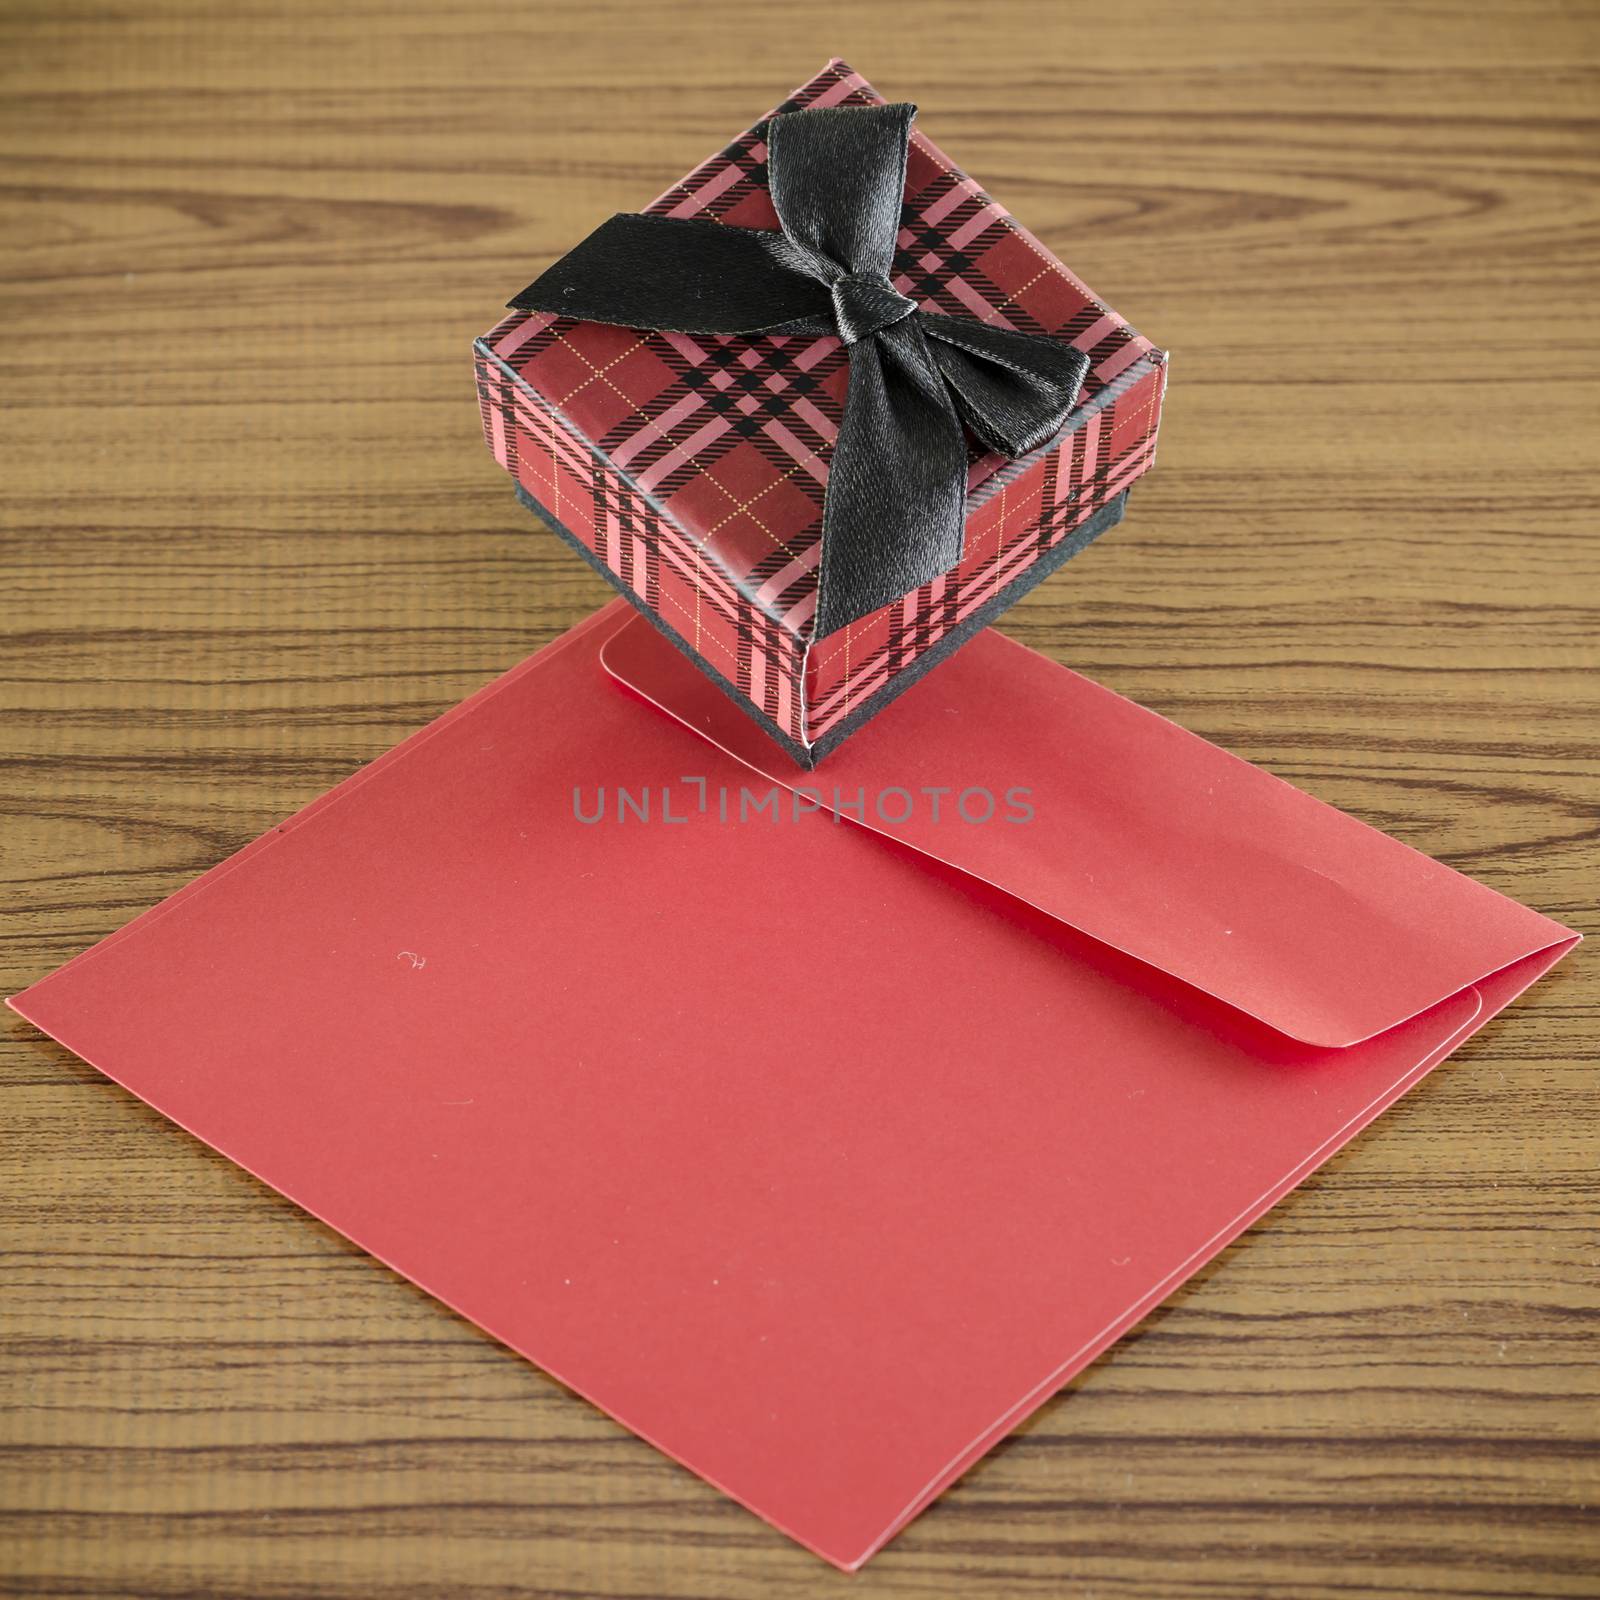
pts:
pixel 896 499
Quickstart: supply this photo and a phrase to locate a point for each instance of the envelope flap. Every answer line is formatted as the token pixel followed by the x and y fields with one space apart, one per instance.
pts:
pixel 1138 833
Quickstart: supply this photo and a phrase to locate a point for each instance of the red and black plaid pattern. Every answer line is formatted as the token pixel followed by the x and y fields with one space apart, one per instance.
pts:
pixel 694 466
pixel 1013 521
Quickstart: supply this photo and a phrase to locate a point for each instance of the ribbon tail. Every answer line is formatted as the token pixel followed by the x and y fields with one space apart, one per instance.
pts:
pixel 897 485
pixel 1014 390
pixel 682 276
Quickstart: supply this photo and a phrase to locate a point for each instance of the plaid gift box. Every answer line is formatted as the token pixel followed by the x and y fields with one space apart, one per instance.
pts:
pixel 690 470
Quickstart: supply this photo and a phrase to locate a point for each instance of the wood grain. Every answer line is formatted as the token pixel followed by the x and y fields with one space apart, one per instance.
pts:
pixel 252 538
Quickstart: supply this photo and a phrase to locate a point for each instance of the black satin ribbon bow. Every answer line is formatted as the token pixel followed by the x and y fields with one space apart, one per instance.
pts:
pixel 896 499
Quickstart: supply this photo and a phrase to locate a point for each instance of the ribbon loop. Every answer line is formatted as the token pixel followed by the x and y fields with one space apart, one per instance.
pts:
pixel 893 516
pixel 837 176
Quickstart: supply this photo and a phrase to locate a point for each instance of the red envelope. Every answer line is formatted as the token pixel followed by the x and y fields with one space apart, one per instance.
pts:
pixel 817 1153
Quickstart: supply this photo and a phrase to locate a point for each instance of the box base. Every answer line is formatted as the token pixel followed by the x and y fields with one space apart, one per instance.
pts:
pixel 1107 517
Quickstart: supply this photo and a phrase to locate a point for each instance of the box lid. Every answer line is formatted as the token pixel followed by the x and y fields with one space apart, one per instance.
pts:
pixel 731 435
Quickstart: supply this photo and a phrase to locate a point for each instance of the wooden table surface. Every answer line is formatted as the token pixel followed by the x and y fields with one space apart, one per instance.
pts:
pixel 252 538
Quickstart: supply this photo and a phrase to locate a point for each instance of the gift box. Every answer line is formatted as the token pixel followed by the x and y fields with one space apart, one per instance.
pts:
pixel 705 474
